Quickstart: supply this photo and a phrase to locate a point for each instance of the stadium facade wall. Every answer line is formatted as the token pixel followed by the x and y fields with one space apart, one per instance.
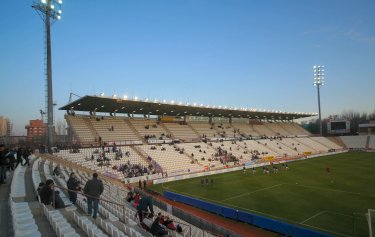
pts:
pixel 250 218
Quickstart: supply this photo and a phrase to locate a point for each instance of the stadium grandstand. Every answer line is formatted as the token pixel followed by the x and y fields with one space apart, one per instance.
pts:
pixel 133 144
pixel 169 139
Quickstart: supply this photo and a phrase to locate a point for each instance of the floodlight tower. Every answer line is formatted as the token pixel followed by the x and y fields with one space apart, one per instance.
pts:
pixel 318 82
pixel 48 10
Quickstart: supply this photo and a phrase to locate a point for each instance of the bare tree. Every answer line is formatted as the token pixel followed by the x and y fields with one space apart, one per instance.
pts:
pixel 354 117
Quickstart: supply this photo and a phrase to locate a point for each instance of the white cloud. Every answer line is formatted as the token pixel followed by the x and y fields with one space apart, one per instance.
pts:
pixel 332 33
pixel 357 36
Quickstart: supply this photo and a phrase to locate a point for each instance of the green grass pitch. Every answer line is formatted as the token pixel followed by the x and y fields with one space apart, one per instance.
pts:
pixel 306 194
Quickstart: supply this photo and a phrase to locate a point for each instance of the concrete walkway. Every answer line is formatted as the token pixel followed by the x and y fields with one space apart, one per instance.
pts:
pixel 41 221
pixel 6 227
pixel 5 218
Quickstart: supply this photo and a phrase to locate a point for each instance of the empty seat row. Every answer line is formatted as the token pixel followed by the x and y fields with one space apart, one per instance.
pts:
pixel 110 228
pixel 23 220
pixel 90 228
pixel 59 224
pixel 17 188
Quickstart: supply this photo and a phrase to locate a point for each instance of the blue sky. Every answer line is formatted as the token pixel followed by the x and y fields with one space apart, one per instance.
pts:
pixel 240 53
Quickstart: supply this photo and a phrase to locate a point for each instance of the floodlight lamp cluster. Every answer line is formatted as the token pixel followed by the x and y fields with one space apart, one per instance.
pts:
pixel 54 7
pixel 318 75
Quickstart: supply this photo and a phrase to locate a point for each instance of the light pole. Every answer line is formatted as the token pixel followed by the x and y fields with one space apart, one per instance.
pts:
pixel 318 82
pixel 48 10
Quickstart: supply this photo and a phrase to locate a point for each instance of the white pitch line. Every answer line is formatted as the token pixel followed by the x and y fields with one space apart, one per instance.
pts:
pixel 332 190
pixel 244 194
pixel 329 231
pixel 242 208
pixel 269 215
pixel 338 213
pixel 318 214
pixel 218 179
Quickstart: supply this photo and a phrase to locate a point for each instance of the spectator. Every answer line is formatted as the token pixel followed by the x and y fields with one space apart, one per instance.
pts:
pixel 40 186
pixel 93 188
pixel 19 157
pixel 56 171
pixel 137 198
pixel 162 219
pixel 73 184
pixel 46 195
pixel 145 204
pixel 10 159
pixel 26 155
pixel 129 197
pixel 167 221
pixel 157 229
pixel 2 164
pixel 46 192
pixel 179 228
pixel 171 225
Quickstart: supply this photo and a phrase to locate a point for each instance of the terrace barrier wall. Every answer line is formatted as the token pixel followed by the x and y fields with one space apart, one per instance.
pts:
pixel 250 218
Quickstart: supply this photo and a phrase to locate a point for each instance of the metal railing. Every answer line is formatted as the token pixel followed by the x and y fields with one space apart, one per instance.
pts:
pixel 199 223
pixel 86 195
pixel 122 206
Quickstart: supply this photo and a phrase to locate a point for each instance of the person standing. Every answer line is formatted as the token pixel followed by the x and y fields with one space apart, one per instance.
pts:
pixel 145 204
pixel 2 164
pixel 26 155
pixel 10 157
pixel 73 184
pixel 93 188
pixel 19 157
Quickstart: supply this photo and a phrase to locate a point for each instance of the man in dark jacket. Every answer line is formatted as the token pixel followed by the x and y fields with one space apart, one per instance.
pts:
pixel 26 155
pixel 157 230
pixel 93 189
pixel 144 204
pixel 10 157
pixel 46 195
pixel 19 157
pixel 73 184
pixel 2 164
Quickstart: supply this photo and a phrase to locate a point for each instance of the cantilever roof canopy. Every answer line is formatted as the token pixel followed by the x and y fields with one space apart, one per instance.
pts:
pixel 136 106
